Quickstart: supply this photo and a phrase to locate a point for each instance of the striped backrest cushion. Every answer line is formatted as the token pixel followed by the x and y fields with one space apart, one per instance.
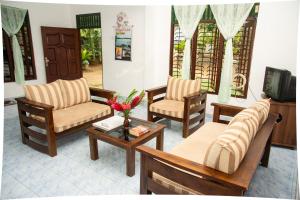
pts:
pixel 250 117
pixel 178 88
pixel 263 107
pixel 228 150
pixel 46 93
pixel 75 91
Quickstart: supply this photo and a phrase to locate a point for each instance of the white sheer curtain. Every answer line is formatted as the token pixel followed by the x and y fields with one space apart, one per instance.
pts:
pixel 188 18
pixel 12 20
pixel 229 18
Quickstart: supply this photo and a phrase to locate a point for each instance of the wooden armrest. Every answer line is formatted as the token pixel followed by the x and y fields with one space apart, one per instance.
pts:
pixel 224 109
pixel 187 165
pixel 157 90
pixel 195 97
pixel 108 94
pixel 23 100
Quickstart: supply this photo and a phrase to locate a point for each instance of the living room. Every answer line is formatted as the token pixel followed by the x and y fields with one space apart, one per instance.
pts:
pixel 157 49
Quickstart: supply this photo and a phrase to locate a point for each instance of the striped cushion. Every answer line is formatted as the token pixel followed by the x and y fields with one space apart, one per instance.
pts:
pixel 177 88
pixel 228 150
pixel 263 107
pixel 45 93
pixel 168 107
pixel 75 91
pixel 250 117
pixel 79 114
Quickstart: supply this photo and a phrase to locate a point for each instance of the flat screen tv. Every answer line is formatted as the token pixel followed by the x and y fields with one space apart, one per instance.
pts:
pixel 279 84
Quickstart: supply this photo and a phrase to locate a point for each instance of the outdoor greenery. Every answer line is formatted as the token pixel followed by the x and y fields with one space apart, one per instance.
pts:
pixel 91 50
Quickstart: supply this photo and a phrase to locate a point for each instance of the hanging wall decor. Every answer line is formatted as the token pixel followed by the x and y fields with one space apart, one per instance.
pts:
pixel 123 38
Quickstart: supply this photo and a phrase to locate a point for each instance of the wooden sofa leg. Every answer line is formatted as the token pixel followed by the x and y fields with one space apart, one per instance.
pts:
pixel 185 129
pixel 150 116
pixel 266 155
pixel 144 176
pixel 51 138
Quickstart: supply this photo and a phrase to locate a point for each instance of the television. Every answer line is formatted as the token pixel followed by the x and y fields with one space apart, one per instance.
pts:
pixel 279 85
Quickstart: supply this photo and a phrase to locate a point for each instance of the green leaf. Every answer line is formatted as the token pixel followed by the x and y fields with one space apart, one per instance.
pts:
pixel 130 96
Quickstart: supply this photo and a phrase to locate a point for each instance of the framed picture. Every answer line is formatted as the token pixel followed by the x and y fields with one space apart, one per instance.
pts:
pixel 123 38
pixel 123 49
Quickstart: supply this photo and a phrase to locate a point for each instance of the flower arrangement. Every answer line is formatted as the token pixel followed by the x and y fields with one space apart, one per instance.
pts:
pixel 126 106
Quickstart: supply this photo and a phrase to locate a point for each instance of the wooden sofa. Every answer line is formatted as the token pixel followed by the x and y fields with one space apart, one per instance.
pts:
pixel 60 121
pixel 179 175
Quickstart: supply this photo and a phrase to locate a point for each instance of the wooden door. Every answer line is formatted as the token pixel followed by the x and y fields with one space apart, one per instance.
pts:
pixel 61 53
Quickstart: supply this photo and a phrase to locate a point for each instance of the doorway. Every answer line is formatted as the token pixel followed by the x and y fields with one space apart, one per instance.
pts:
pixel 89 26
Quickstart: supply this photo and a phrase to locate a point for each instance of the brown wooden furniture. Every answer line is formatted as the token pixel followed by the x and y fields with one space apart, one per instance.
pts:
pixel 189 117
pixel 285 130
pixel 27 108
pixel 200 178
pixel 116 137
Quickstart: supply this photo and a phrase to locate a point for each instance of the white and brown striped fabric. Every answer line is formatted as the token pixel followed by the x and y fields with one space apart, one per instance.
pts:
pixel 250 117
pixel 263 107
pixel 178 88
pixel 45 93
pixel 75 91
pixel 78 114
pixel 228 150
pixel 168 107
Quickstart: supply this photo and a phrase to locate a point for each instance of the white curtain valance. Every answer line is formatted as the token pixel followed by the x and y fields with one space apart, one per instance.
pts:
pixel 188 19
pixel 229 19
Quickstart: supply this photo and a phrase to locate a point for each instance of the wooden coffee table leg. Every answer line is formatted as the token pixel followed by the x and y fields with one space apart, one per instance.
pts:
pixel 130 161
pixel 93 148
pixel 160 141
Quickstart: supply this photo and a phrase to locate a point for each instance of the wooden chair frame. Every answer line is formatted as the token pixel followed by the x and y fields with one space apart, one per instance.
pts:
pixel 211 182
pixel 26 108
pixel 198 99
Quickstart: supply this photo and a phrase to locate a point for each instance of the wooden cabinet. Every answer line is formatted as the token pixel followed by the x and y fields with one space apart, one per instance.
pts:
pixel 285 131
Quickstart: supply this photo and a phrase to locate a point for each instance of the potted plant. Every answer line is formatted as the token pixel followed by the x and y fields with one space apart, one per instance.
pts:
pixel 85 57
pixel 126 106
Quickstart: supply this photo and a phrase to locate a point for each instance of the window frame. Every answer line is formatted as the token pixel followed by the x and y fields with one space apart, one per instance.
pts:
pixel 11 66
pixel 221 51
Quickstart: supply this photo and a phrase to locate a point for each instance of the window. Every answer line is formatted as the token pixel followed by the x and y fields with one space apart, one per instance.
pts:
pixel 25 41
pixel 207 52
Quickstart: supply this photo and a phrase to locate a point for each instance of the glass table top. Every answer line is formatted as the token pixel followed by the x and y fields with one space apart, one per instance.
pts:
pixel 121 133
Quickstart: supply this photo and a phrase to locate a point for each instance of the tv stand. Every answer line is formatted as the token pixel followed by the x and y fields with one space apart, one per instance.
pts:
pixel 284 134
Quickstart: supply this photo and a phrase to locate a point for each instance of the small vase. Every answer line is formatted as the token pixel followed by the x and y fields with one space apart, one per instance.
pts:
pixel 126 127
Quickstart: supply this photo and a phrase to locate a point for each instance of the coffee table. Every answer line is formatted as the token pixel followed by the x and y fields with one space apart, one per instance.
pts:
pixel 117 137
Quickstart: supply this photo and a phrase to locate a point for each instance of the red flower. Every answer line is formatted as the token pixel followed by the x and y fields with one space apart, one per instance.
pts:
pixel 126 106
pixel 135 101
pixel 117 106
pixel 112 101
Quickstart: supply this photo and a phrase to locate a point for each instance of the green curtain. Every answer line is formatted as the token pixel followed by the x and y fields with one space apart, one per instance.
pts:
pixel 12 21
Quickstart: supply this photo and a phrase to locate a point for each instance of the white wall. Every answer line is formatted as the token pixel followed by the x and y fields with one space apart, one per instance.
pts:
pixel 120 76
pixel 158 28
pixel 40 15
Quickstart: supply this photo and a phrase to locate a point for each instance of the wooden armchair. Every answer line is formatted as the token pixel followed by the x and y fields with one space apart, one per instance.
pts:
pixel 193 103
pixel 184 176
pixel 34 114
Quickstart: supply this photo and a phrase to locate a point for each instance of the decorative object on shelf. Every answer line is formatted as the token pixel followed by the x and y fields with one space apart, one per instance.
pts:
pixel 126 106
pixel 123 38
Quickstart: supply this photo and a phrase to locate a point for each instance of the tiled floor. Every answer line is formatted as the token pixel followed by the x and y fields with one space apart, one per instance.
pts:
pixel 28 173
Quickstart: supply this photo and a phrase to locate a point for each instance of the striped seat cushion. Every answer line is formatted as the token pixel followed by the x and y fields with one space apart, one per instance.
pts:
pixel 168 107
pixel 228 150
pixel 50 94
pixel 75 91
pixel 177 88
pixel 263 107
